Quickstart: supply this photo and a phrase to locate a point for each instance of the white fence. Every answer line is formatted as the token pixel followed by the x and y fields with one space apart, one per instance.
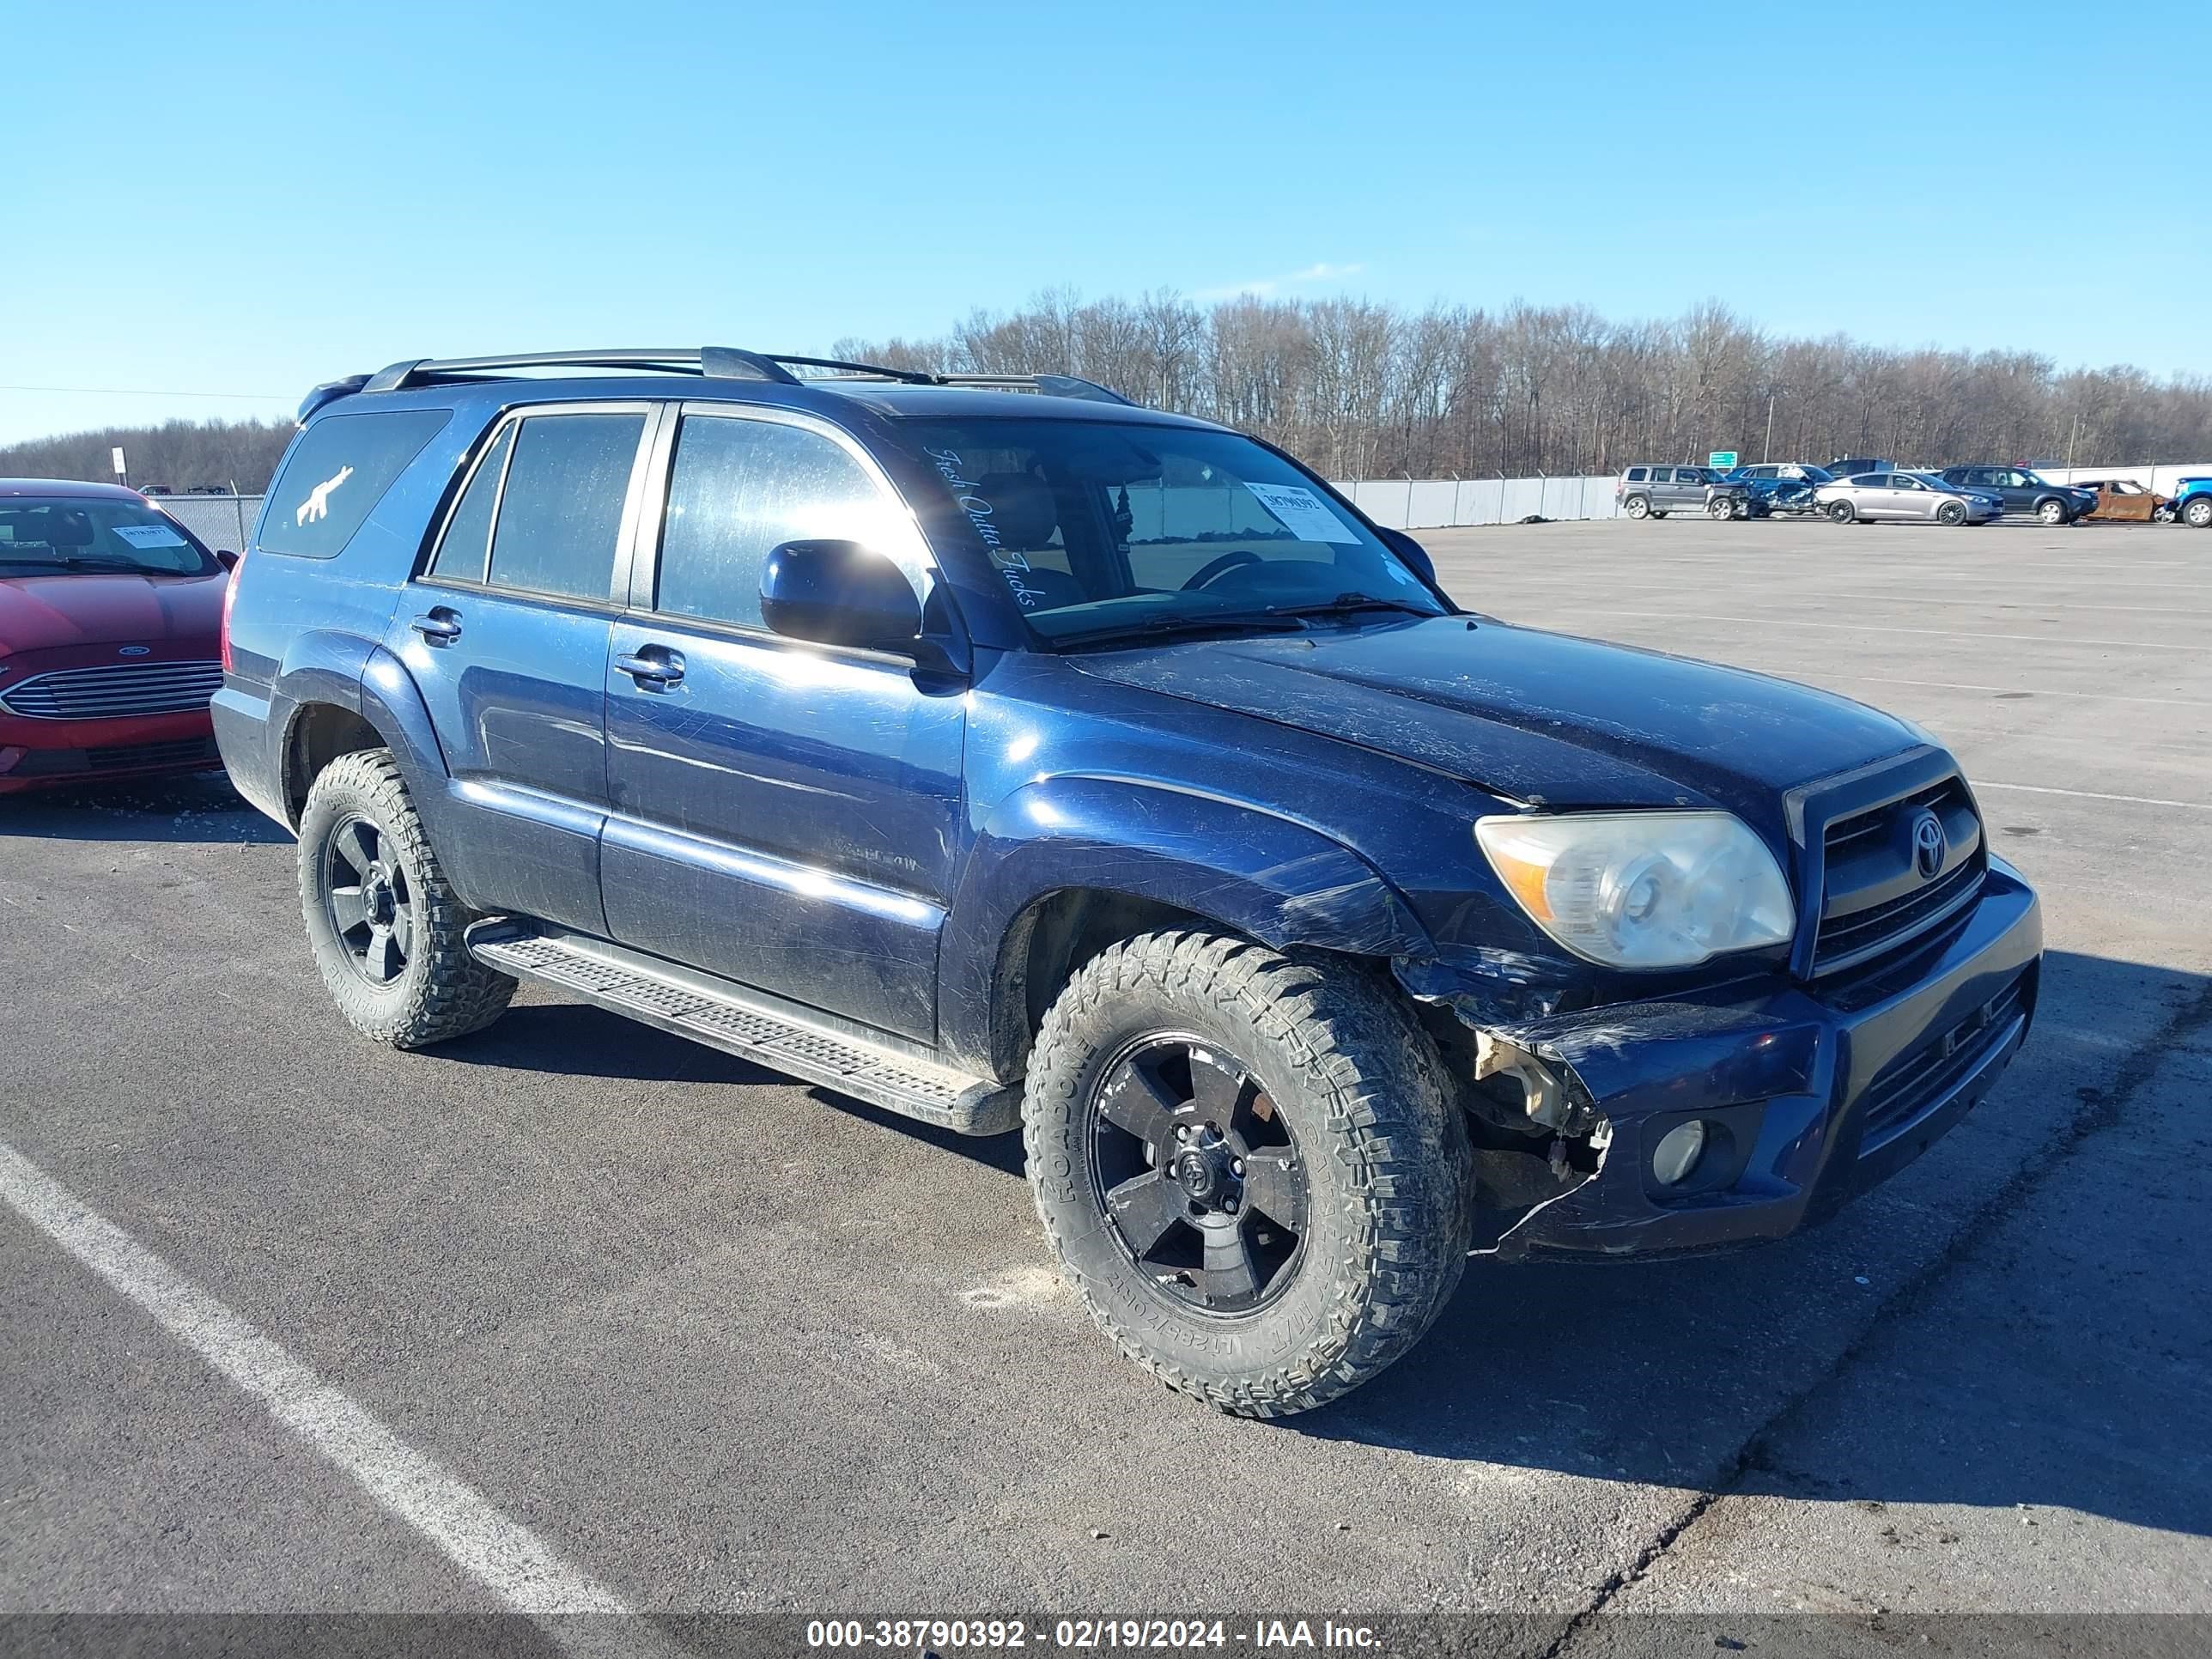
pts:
pixel 2160 479
pixel 1434 503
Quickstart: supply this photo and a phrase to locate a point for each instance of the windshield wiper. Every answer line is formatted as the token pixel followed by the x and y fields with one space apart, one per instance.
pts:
pixel 1153 628
pixel 1343 604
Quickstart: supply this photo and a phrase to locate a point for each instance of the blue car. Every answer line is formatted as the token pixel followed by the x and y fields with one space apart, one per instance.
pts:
pixel 1783 486
pixel 2192 502
pixel 1009 756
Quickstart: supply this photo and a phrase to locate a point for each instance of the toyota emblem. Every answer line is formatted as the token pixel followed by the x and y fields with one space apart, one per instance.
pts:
pixel 1928 845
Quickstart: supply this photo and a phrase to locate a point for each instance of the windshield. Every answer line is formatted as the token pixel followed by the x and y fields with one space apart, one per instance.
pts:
pixel 1101 528
pixel 50 533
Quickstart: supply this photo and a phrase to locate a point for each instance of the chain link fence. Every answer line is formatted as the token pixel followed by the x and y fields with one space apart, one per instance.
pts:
pixel 220 522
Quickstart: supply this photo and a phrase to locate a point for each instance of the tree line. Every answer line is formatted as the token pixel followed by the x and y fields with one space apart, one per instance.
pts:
pixel 1360 389
pixel 181 454
pixel 1364 389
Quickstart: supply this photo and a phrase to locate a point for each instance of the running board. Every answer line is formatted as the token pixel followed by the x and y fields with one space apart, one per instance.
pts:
pixel 723 1017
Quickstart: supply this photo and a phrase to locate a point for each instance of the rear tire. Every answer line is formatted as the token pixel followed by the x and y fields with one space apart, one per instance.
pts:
pixel 1841 512
pixel 1637 507
pixel 383 923
pixel 1168 1060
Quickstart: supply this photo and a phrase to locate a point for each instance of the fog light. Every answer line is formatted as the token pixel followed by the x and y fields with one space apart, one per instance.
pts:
pixel 1678 1152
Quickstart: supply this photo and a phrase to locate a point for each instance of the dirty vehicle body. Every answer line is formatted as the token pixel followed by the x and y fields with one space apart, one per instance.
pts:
pixel 2122 500
pixel 108 619
pixel 1653 492
pixel 1029 758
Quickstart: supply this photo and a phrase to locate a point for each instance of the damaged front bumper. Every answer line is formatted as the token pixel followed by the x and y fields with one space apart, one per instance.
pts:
pixel 1808 1096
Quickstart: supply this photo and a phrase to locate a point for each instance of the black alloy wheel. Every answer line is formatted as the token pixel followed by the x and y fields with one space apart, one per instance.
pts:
pixel 370 899
pixel 1198 1175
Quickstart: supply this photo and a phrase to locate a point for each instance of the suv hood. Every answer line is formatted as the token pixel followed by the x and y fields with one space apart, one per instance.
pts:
pixel 39 613
pixel 1532 716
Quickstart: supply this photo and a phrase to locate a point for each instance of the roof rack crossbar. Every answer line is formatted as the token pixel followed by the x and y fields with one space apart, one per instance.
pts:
pixel 716 363
pixel 1055 386
pixel 723 363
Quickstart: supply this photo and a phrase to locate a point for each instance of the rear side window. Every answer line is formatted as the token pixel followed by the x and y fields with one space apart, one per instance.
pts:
pixel 561 511
pixel 337 473
pixel 740 489
pixel 466 548
pixel 1636 475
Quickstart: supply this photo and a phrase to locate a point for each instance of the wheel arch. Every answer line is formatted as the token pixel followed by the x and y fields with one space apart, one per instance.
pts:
pixel 345 696
pixel 1069 865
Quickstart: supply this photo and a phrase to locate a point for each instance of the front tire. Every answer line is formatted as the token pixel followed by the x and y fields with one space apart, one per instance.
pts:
pixel 1720 508
pixel 384 925
pixel 2051 513
pixel 1952 512
pixel 1250 1167
pixel 2197 515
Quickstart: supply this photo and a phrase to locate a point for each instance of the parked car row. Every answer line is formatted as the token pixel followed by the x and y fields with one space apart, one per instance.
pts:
pixel 1869 489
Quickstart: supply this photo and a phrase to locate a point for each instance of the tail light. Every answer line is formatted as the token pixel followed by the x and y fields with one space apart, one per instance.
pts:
pixel 230 599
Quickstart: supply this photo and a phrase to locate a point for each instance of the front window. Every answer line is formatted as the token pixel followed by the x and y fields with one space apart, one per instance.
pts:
pixel 40 535
pixel 1099 527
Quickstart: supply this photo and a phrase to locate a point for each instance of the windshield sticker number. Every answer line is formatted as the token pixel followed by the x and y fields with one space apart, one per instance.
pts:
pixel 1304 513
pixel 318 504
pixel 149 535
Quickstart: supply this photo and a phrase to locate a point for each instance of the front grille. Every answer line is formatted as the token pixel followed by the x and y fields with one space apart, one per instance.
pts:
pixel 1907 1088
pixel 128 689
pixel 1872 900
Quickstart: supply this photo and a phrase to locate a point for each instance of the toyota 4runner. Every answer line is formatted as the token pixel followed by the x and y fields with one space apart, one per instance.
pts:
pixel 1007 756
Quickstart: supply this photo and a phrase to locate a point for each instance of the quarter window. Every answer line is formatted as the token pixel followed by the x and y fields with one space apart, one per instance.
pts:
pixel 336 472
pixel 562 509
pixel 744 487
pixel 466 547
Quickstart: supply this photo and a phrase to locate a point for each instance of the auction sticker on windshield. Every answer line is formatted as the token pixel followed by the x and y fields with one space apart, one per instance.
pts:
pixel 149 535
pixel 1304 513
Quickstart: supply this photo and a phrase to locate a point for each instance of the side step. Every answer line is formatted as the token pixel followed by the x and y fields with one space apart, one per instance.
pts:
pixel 747 1025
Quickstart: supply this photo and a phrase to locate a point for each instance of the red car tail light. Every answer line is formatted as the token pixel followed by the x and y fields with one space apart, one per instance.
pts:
pixel 229 598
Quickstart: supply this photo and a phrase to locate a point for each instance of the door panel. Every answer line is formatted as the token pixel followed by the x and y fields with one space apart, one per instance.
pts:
pixel 784 814
pixel 515 681
pixel 784 818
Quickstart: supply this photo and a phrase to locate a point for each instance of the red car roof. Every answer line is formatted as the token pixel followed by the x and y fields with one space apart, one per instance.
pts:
pixel 105 492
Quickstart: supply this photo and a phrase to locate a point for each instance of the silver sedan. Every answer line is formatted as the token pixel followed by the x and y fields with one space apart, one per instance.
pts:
pixel 1909 497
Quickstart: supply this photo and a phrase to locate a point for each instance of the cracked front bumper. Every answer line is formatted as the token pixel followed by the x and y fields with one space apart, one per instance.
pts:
pixel 1811 1095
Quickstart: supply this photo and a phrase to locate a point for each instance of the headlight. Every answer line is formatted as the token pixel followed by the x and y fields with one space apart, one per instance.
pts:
pixel 1643 890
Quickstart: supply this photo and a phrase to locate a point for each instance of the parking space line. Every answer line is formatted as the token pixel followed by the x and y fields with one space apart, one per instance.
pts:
pixel 2091 794
pixel 506 1557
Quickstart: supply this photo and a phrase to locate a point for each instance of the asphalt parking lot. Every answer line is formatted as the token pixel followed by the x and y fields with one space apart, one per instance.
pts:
pixel 725 1344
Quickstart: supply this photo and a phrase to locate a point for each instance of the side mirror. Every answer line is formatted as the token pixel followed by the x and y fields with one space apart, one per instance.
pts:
pixel 839 594
pixel 1411 552
pixel 226 558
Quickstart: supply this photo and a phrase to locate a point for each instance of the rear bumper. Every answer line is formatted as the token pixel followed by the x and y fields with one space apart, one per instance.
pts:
pixel 40 754
pixel 1808 1099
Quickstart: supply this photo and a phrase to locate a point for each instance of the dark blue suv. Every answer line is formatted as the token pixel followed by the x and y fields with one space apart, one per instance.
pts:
pixel 1005 755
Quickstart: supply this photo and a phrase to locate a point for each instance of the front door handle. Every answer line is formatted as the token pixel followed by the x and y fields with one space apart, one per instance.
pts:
pixel 653 664
pixel 439 626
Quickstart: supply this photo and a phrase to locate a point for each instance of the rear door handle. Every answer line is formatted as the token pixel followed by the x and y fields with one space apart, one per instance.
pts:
pixel 439 626
pixel 653 664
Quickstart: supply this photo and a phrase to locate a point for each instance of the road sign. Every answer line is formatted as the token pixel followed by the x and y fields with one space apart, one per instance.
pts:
pixel 1723 458
pixel 116 455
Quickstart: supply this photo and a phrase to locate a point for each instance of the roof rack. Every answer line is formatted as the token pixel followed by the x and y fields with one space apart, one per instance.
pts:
pixel 711 362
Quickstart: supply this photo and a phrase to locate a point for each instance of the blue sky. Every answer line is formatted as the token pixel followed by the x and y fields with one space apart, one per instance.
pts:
pixel 246 199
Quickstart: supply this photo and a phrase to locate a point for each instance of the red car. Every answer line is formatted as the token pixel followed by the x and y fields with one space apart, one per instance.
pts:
pixel 111 614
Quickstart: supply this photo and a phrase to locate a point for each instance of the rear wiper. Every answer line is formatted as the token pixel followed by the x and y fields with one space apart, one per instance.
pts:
pixel 1154 627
